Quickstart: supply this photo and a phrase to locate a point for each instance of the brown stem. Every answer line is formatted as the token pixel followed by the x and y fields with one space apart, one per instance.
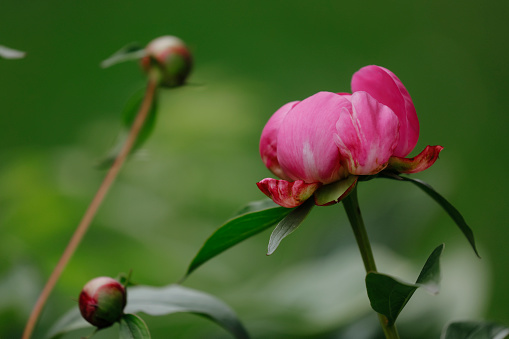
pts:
pixel 94 206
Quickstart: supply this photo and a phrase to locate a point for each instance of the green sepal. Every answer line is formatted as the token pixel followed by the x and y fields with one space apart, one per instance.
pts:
pixel 289 224
pixel 133 327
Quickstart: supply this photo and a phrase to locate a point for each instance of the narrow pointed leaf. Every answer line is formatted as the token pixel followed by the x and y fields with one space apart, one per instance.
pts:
pixel 475 330
pixel 388 296
pixel 161 301
pixel 128 116
pixel 235 231
pixel 132 51
pixel 133 327
pixel 289 224
pixel 9 53
pixel 450 209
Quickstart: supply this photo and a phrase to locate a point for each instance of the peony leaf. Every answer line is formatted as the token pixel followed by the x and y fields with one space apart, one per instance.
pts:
pixel 133 327
pixel 9 53
pixel 289 224
pixel 132 51
pixel 128 116
pixel 235 231
pixel 389 296
pixel 450 209
pixel 475 330
pixel 160 301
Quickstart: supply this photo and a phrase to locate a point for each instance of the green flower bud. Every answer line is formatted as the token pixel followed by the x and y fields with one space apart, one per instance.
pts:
pixel 102 301
pixel 170 57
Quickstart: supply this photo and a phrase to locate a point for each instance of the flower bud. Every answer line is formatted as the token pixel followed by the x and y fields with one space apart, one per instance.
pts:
pixel 102 301
pixel 171 57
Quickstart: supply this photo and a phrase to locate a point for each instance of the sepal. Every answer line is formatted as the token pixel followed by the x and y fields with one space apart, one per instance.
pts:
pixel 288 194
pixel 333 193
pixel 419 163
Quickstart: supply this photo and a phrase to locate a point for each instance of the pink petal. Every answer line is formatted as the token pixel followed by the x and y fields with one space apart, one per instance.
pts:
pixel 286 193
pixel 335 192
pixel 387 89
pixel 268 140
pixel 306 149
pixel 367 135
pixel 419 163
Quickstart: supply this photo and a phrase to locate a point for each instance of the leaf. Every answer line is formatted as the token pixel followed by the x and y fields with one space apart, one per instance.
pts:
pixel 235 231
pixel 450 209
pixel 133 327
pixel 475 330
pixel 132 51
pixel 9 53
pixel 430 275
pixel 128 116
pixel 160 301
pixel 389 296
pixel 289 224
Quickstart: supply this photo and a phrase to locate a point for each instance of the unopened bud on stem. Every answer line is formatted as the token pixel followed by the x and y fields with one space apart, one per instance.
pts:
pixel 170 57
pixel 102 301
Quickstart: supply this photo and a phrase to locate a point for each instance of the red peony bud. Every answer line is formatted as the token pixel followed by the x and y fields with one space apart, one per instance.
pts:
pixel 102 301
pixel 171 57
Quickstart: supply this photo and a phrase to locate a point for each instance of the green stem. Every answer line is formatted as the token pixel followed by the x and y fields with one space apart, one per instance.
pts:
pixel 353 212
pixel 94 205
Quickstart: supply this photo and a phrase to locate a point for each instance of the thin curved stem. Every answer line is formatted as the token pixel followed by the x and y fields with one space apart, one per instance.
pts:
pixel 94 205
pixel 353 212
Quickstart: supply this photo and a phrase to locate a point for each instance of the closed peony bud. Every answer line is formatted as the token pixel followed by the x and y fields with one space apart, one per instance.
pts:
pixel 102 301
pixel 171 57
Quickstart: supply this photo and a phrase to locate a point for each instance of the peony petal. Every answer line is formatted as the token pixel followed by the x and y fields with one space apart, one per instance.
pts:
pixel 419 163
pixel 386 88
pixel 367 135
pixel 306 149
pixel 268 140
pixel 333 193
pixel 286 193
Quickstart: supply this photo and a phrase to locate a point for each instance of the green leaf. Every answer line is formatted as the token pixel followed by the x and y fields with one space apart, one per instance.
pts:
pixel 389 296
pixel 132 51
pixel 128 116
pixel 235 231
pixel 160 301
pixel 450 209
pixel 133 327
pixel 475 330
pixel 289 224
pixel 9 53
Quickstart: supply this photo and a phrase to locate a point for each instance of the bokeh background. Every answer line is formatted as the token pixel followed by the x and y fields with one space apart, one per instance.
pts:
pixel 60 114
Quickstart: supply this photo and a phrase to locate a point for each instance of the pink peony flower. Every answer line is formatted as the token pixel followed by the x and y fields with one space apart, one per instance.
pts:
pixel 320 145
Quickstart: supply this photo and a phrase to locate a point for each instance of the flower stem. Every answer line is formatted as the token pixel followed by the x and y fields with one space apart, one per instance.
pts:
pixel 94 205
pixel 353 212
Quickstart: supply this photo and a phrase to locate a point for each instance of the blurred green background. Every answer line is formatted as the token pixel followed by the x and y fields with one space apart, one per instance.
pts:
pixel 60 113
